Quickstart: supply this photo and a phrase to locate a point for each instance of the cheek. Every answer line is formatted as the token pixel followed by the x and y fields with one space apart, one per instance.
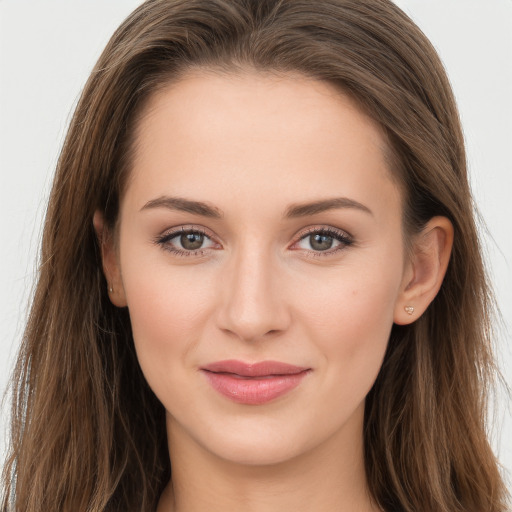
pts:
pixel 167 309
pixel 350 321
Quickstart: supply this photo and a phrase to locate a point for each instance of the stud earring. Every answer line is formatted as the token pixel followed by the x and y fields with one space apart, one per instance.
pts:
pixel 409 310
pixel 110 289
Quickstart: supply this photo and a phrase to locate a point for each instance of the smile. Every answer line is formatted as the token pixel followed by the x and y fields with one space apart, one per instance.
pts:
pixel 253 384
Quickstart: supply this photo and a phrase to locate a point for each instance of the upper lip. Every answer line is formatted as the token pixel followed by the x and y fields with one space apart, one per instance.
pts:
pixel 260 369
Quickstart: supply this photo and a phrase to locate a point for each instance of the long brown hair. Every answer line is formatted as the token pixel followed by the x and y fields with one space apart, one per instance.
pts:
pixel 87 432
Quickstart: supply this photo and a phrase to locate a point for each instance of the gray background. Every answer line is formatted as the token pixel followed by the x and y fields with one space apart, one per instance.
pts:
pixel 48 47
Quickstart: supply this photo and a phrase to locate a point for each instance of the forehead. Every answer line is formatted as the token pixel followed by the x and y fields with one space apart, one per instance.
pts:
pixel 278 135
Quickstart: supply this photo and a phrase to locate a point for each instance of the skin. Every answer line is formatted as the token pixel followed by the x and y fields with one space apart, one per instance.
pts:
pixel 252 146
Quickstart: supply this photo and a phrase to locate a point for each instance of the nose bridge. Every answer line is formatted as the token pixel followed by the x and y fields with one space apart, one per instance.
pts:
pixel 253 302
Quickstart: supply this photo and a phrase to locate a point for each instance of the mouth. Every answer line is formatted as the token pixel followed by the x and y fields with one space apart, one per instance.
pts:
pixel 253 384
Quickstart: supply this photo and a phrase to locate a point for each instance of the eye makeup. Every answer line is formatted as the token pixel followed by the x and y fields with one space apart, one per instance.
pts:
pixel 317 241
pixel 323 241
pixel 187 241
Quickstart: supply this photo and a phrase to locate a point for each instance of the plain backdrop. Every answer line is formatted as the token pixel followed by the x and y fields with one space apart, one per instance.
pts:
pixel 48 47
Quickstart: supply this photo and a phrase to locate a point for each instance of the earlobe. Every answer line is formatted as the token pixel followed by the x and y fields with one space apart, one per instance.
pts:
pixel 110 263
pixel 426 270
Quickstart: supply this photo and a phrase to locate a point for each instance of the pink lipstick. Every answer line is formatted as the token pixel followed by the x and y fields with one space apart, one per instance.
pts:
pixel 253 384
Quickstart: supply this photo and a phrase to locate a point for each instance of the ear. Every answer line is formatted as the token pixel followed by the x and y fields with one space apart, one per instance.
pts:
pixel 425 271
pixel 110 261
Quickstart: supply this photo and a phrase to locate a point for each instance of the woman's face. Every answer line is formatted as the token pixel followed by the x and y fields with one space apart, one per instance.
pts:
pixel 260 254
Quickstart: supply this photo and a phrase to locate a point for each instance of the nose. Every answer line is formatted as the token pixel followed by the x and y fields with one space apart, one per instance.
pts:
pixel 253 303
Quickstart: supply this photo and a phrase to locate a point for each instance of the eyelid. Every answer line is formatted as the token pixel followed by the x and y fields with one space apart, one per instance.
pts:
pixel 167 235
pixel 323 228
pixel 343 236
pixel 186 228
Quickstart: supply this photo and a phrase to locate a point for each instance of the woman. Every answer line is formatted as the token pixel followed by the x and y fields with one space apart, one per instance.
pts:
pixel 260 286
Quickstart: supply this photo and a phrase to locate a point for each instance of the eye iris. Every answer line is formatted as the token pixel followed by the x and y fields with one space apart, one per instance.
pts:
pixel 321 242
pixel 191 241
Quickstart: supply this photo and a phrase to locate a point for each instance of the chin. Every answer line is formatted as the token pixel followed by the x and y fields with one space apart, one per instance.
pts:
pixel 257 451
pixel 267 441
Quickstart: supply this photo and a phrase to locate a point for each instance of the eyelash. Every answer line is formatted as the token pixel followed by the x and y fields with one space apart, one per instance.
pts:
pixel 163 241
pixel 342 237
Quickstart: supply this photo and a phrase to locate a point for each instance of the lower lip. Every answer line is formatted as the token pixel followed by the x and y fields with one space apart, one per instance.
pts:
pixel 253 390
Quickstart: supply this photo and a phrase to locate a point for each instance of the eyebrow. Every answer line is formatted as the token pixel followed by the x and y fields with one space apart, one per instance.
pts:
pixel 296 210
pixel 305 209
pixel 184 205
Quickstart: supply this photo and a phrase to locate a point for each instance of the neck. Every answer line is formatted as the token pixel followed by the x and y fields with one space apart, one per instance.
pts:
pixel 330 477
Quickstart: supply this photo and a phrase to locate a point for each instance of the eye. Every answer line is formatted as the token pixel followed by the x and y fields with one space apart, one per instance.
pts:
pixel 191 241
pixel 186 241
pixel 323 241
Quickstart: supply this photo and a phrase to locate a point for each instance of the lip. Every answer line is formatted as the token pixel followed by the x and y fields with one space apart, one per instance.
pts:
pixel 253 383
